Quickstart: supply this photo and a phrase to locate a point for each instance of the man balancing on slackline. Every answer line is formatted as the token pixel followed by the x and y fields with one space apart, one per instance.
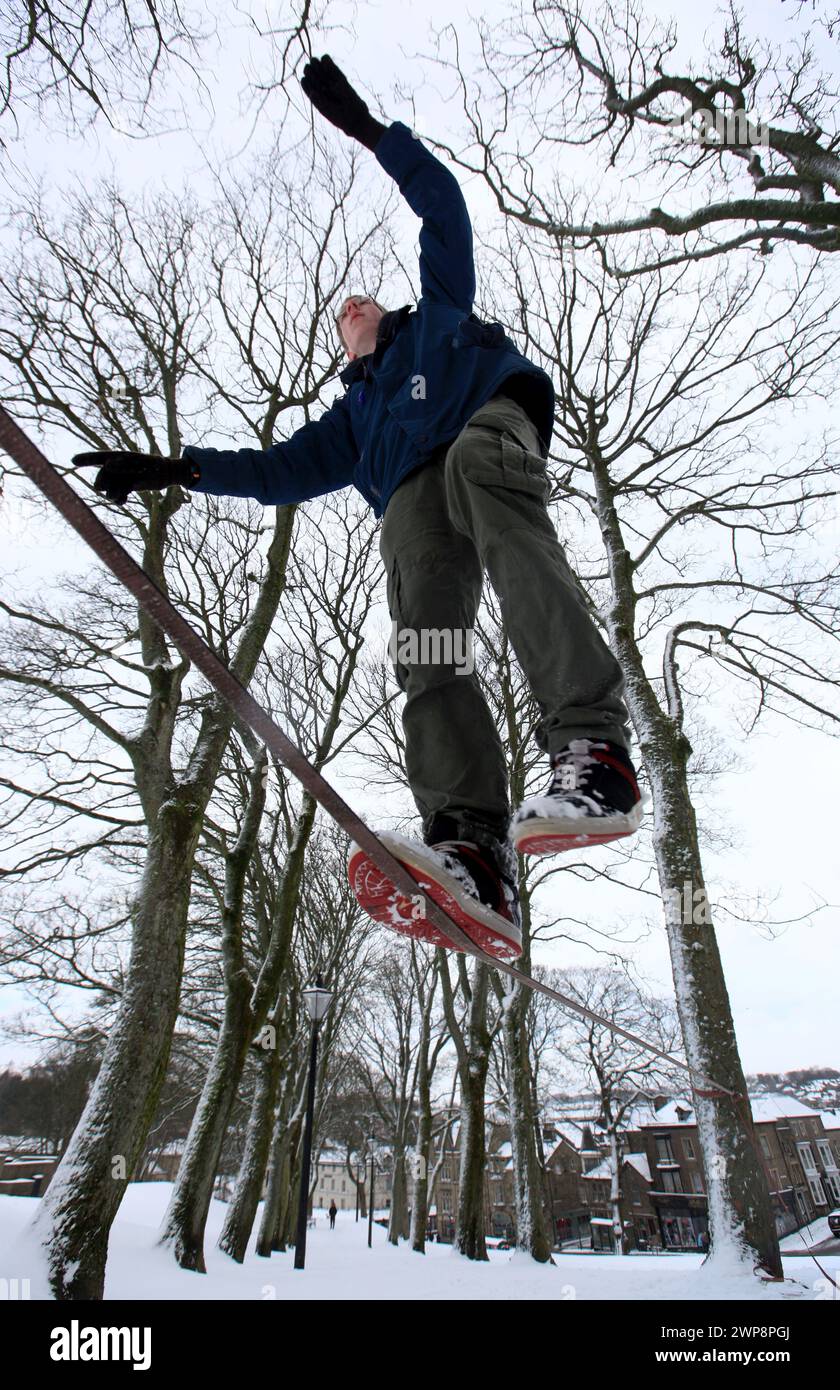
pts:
pixel 444 428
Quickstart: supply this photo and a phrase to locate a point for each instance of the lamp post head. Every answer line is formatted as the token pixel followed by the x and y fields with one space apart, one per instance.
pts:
pixel 317 999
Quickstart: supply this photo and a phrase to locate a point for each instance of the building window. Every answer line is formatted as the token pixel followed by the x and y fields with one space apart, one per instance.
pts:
pixel 671 1182
pixel 817 1191
pixel 765 1147
pixel 825 1153
pixel 664 1152
pixel 688 1147
pixel 696 1182
pixel 806 1158
pixel 833 1185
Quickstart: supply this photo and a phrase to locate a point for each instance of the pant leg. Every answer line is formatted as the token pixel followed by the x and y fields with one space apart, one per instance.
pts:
pixel 454 758
pixel 496 488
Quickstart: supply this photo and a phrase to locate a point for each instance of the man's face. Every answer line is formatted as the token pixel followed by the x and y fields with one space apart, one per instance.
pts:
pixel 358 320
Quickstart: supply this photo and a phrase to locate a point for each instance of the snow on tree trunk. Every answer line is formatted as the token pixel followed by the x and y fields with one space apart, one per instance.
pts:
pixel 531 1227
pixel 75 1216
pixel 186 1216
pixel 615 1195
pixel 740 1213
pixel 242 1209
pixel 76 1212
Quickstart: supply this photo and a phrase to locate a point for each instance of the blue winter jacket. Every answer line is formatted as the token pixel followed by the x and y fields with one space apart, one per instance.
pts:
pixel 431 369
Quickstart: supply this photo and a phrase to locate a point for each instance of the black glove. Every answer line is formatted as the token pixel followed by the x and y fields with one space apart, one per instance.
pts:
pixel 121 472
pixel 331 94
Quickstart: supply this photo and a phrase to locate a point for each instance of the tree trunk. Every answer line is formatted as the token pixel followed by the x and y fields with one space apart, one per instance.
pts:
pixel 75 1215
pixel 278 1182
pixel 469 1236
pixel 186 1216
pixel 531 1232
pixel 420 1206
pixel 398 1228
pixel 619 1240
pixel 740 1211
pixel 246 1010
pixel 239 1218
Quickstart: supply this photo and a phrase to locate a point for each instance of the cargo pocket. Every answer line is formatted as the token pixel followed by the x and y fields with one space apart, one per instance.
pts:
pixel 394 592
pixel 496 459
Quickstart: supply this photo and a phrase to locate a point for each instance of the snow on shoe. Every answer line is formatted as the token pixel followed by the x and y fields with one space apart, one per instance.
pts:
pixel 593 797
pixel 446 872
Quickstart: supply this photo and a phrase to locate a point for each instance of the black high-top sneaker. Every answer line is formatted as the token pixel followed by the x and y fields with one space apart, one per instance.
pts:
pixel 593 797
pixel 472 875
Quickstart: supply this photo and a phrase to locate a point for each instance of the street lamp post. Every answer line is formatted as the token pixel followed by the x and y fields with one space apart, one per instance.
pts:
pixel 317 1001
pixel 370 1203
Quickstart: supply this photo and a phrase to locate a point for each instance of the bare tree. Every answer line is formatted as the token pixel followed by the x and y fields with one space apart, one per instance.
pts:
pixel 110 296
pixel 650 449
pixel 85 59
pixel 331 938
pixel 619 1070
pixel 330 583
pixel 752 139
pixel 432 1041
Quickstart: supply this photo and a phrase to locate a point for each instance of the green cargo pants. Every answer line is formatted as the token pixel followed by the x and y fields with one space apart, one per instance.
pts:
pixel 481 506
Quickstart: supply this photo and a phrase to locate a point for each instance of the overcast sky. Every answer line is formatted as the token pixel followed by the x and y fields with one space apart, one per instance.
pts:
pixel 779 802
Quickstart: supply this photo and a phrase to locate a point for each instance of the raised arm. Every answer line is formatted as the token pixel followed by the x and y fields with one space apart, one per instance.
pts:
pixel 447 271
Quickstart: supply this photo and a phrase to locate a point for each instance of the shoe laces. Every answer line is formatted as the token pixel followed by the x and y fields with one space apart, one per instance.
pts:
pixel 570 766
pixel 489 860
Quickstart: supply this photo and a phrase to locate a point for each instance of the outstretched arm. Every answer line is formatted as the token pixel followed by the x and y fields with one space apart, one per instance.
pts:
pixel 319 457
pixel 447 271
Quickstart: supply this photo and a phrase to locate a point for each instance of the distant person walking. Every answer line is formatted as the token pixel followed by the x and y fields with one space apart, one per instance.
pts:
pixel 333 1210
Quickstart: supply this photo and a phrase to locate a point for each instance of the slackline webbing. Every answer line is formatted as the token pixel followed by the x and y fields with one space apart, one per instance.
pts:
pixel 84 520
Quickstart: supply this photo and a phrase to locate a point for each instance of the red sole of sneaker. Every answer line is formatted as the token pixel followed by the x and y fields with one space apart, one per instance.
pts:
pixel 379 898
pixel 555 844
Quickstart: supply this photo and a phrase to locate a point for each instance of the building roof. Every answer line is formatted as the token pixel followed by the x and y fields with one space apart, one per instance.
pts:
pixel 674 1112
pixel 765 1108
pixel 780 1107
pixel 640 1163
pixel 604 1169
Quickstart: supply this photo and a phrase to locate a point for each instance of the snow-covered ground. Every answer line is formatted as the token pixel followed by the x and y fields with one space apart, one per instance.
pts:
pixel 340 1266
pixel 818 1231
